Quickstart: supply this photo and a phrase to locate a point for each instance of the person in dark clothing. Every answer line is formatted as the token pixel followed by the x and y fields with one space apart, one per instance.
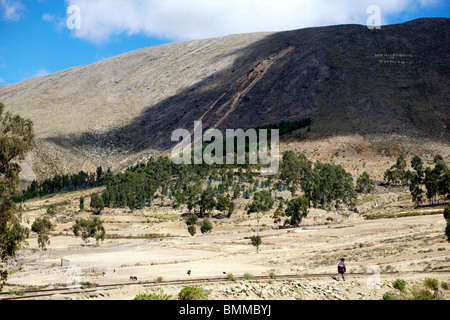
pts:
pixel 341 269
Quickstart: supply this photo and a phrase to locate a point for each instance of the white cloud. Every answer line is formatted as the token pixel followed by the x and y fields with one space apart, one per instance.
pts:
pixel 11 10
pixel 47 17
pixel 196 19
pixel 2 81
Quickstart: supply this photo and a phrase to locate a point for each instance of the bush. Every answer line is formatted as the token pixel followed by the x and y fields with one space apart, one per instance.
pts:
pixel 400 285
pixel 364 184
pixel 52 210
pixel 272 276
pixel 415 293
pixel 206 226
pixel 444 285
pixel 231 277
pixel 192 230
pixel 432 284
pixel 191 220
pixel 424 294
pixel 158 295
pixel 194 293
pixel 390 295
pixel 97 204
pixel 248 276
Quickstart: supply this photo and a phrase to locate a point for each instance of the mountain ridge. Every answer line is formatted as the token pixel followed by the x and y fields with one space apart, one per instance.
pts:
pixel 347 78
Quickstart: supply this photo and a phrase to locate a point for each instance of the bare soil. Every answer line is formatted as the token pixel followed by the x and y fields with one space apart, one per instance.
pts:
pixel 154 243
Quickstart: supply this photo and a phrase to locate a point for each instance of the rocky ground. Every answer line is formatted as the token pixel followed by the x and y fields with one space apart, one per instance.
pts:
pixel 154 244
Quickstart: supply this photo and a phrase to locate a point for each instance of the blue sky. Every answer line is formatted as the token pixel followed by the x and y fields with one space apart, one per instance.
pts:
pixel 35 39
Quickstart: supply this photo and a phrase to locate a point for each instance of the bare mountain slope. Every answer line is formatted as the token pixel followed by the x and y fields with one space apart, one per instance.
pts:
pixel 348 79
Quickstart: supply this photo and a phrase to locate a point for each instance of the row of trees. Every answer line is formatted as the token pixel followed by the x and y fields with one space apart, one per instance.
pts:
pixel 435 180
pixel 323 184
pixel 67 182
pixel 158 180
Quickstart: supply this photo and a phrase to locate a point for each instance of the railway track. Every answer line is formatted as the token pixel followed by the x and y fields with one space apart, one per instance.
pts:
pixel 46 293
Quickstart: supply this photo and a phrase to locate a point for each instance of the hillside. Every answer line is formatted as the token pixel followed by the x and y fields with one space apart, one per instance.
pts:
pixel 349 80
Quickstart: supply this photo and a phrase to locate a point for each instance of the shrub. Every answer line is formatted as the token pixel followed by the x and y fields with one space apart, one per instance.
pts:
pixel 158 280
pixel 52 210
pixel 390 295
pixel 364 184
pixel 191 220
pixel 415 293
pixel 97 204
pixel 231 277
pixel 206 226
pixel 400 285
pixel 418 293
pixel 194 293
pixel 432 284
pixel 157 295
pixel 444 285
pixel 192 230
pixel 82 203
pixel 272 276
pixel 248 276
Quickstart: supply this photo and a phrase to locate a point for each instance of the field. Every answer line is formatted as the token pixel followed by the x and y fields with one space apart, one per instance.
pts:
pixel 154 245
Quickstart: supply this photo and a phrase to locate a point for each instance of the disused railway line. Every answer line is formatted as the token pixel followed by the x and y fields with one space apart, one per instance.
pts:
pixel 46 293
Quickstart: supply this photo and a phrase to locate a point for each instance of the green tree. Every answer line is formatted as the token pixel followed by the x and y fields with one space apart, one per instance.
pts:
pixel 224 204
pixel 16 140
pixel 262 202
pixel 82 203
pixel 97 204
pixel 364 184
pixel 91 228
pixel 192 230
pixel 206 226
pixel 296 210
pixel 207 203
pixel 437 181
pixel 447 218
pixel 42 226
pixel 278 214
pixel 417 165
pixel 256 242
pixel 332 185
pixel 295 171
pixel 99 174
pixel 397 174
pixel 191 220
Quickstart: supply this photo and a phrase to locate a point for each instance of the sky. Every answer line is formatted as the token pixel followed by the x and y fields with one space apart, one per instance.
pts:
pixel 40 37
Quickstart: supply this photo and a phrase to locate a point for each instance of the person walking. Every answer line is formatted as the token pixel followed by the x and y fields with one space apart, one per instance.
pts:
pixel 341 269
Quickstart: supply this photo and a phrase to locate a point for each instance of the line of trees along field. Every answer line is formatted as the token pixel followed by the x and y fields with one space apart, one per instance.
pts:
pixel 64 183
pixel 432 182
pixel 203 188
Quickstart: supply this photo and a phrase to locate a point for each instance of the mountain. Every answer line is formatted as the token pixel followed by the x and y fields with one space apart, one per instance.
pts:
pixel 347 79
